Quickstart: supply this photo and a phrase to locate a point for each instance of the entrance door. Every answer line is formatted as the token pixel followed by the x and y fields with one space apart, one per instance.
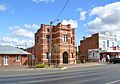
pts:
pixel 5 60
pixel 65 57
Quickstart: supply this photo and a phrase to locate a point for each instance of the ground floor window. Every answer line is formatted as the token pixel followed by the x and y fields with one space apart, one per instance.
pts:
pixel 17 58
pixel 47 55
pixel 5 60
pixel 72 55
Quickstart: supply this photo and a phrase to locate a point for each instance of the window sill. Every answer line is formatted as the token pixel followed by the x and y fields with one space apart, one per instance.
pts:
pixel 17 60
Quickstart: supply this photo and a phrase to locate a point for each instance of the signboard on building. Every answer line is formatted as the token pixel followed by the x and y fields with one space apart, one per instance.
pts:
pixel 93 54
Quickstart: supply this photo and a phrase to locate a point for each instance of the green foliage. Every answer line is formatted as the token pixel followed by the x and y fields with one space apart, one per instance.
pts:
pixel 41 65
pixel 78 61
pixel 61 66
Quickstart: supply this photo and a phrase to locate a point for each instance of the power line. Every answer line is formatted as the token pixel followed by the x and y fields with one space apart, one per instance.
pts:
pixel 61 11
pixel 50 51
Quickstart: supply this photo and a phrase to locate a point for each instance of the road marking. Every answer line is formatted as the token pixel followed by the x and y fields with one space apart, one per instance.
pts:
pixel 65 73
pixel 113 82
pixel 63 68
pixel 61 78
pixel 72 82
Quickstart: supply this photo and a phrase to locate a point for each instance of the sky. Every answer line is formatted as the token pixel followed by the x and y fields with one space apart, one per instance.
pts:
pixel 20 19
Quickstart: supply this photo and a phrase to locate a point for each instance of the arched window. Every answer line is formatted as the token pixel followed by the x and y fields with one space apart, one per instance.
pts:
pixel 38 39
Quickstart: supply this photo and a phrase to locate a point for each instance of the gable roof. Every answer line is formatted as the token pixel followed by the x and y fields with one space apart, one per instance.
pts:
pixel 11 50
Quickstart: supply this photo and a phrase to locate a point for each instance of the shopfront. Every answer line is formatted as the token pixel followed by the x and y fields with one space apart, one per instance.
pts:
pixel 102 55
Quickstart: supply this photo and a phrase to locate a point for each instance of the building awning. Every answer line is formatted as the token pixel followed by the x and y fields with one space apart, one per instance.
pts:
pixel 109 51
pixel 113 50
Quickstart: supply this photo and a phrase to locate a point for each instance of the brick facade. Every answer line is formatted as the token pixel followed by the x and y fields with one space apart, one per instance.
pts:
pixel 31 58
pixel 11 59
pixel 63 44
pixel 88 43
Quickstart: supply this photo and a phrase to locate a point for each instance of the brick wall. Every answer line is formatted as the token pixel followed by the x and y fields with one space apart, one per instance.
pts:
pixel 12 60
pixel 88 43
pixel 58 46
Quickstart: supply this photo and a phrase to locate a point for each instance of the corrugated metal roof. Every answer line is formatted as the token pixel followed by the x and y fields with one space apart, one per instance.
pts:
pixel 11 50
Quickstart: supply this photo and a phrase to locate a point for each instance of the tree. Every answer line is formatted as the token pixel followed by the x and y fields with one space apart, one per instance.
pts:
pixel 55 51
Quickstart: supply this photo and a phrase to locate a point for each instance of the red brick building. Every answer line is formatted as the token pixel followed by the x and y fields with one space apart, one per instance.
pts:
pixel 99 46
pixel 86 44
pixel 62 45
pixel 31 59
pixel 13 56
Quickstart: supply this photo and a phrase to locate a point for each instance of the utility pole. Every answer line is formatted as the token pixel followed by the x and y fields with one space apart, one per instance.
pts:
pixel 50 44
pixel 50 41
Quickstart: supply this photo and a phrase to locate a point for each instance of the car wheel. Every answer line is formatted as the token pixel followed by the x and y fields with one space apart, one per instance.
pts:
pixel 114 62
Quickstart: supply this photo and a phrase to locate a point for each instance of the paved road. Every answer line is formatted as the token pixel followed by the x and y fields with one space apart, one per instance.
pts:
pixel 105 74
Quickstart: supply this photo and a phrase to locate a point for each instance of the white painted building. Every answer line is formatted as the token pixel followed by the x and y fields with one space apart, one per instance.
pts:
pixel 107 48
pixel 107 41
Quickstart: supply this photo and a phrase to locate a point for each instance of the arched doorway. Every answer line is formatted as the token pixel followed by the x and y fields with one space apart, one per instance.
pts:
pixel 65 57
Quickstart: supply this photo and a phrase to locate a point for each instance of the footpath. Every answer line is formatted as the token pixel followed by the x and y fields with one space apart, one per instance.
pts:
pixel 22 68
pixel 83 64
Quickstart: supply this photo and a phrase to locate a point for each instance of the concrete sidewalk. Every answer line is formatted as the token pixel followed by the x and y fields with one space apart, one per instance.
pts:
pixel 83 64
pixel 14 68
pixel 21 68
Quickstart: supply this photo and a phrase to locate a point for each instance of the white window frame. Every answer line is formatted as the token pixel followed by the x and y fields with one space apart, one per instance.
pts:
pixel 47 38
pixel 65 37
pixel 104 46
pixel 18 58
pixel 47 55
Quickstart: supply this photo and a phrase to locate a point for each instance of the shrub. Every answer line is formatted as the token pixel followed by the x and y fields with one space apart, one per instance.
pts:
pixel 41 65
pixel 61 66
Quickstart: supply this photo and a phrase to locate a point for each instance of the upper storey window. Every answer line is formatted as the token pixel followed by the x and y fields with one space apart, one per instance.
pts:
pixel 48 30
pixel 104 45
pixel 113 44
pixel 38 39
pixel 65 37
pixel 47 38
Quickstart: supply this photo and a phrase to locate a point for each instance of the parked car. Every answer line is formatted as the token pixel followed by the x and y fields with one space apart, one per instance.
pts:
pixel 114 60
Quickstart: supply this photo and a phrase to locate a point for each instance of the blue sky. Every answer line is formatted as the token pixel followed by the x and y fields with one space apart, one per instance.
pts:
pixel 20 19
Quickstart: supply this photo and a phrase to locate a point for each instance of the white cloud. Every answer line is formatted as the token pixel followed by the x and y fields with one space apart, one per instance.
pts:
pixel 46 1
pixel 23 33
pixel 26 30
pixel 3 7
pixel 79 9
pixel 73 23
pixel 6 39
pixel 17 42
pixel 82 15
pixel 25 26
pixel 32 26
pixel 20 35
pixel 106 19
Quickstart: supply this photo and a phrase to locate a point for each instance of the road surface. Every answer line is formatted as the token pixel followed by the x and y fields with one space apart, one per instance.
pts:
pixel 105 74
